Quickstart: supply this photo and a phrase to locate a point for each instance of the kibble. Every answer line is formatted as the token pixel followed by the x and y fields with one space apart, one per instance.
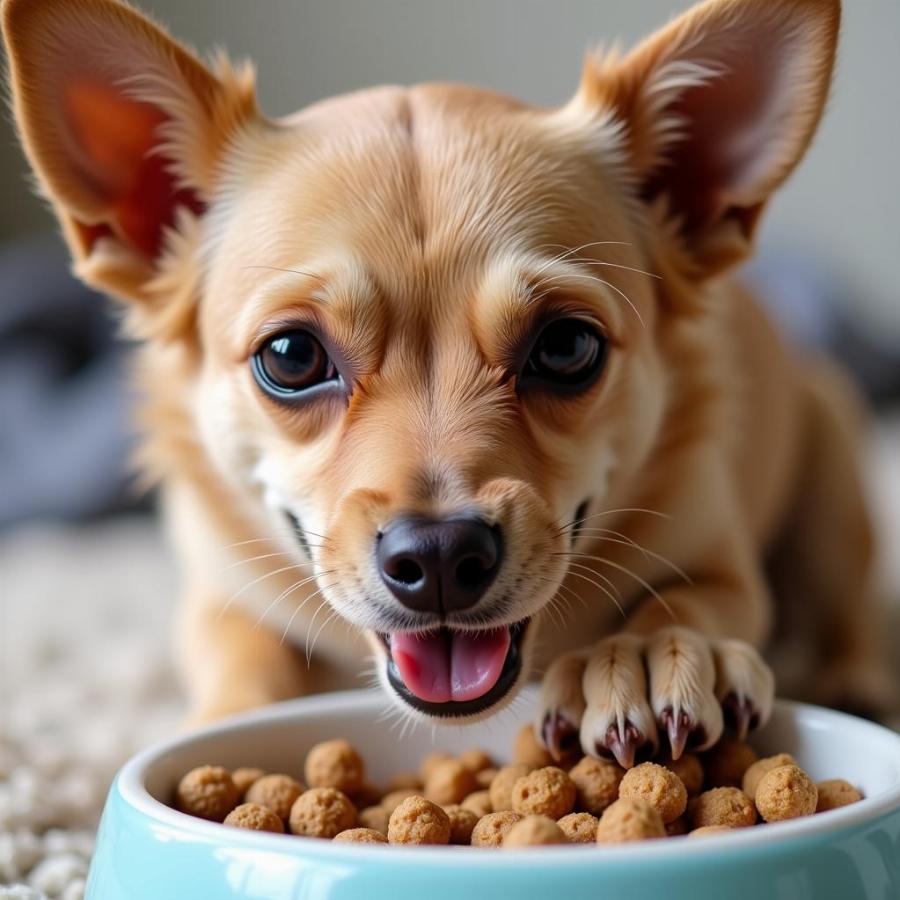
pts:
pixel 834 793
pixel 462 822
pixel 254 817
pixel 579 828
pixel 755 772
pixel 361 836
pixel 501 787
pixel 207 792
pixel 629 820
pixel 244 777
pixel 658 786
pixel 492 828
pixel 334 764
pixel 467 799
pixel 786 792
pixel 276 792
pixel 418 821
pixel 533 831
pixel 726 764
pixel 596 784
pixel 449 782
pixel 322 812
pixel 723 806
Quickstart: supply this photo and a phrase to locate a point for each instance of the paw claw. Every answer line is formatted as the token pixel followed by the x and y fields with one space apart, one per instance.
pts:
pixel 559 734
pixel 624 745
pixel 740 714
pixel 682 730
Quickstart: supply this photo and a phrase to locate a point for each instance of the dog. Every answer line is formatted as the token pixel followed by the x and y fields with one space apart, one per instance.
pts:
pixel 465 387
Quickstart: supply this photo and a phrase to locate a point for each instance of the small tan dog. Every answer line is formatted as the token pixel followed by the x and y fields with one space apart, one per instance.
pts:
pixel 469 375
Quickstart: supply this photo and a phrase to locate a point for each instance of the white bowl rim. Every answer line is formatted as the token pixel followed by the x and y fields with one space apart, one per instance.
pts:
pixel 130 785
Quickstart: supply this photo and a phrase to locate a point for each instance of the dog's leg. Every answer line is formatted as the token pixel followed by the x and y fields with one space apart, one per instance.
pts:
pixel 228 665
pixel 830 646
pixel 697 676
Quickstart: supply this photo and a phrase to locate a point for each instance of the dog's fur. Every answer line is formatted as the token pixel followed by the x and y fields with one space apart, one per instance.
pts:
pixel 423 230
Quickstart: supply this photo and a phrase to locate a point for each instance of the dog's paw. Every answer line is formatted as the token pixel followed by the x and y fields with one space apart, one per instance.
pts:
pixel 617 697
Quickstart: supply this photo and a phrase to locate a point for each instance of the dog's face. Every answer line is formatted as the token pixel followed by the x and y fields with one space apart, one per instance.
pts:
pixel 426 325
pixel 435 367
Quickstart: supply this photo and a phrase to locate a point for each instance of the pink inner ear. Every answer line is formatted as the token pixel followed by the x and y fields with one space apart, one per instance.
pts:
pixel 114 137
pixel 732 132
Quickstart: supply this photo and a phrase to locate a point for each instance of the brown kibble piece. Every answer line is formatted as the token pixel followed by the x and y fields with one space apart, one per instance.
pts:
pixel 629 820
pixel 449 782
pixel 484 778
pixel 254 817
pixel 276 792
pixel 244 777
pixel 476 759
pixel 544 792
pixel 322 812
pixel 207 792
pixel 836 792
pixel 527 750
pixel 430 761
pixel 754 773
pixel 462 821
pixel 725 764
pixel 375 818
pixel 418 821
pixel 709 829
pixel 579 828
pixel 479 803
pixel 658 786
pixel 533 831
pixel 689 769
pixel 404 781
pixel 786 792
pixel 596 783
pixel 502 785
pixel 334 764
pixel 492 828
pixel 361 836
pixel 723 806
pixel 392 800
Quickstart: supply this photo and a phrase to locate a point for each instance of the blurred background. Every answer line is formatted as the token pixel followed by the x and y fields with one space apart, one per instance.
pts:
pixel 86 584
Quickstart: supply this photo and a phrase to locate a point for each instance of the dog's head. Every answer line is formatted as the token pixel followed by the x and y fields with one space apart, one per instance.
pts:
pixel 426 326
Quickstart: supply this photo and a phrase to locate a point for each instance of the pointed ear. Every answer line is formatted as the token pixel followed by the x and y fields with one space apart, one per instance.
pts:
pixel 123 126
pixel 718 107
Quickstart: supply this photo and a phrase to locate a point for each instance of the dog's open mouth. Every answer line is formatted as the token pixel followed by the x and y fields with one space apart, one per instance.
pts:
pixel 453 672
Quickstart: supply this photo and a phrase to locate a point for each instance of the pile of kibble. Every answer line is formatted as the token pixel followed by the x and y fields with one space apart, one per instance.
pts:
pixel 468 799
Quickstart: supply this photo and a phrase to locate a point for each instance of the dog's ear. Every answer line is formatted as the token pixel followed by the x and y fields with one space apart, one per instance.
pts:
pixel 123 126
pixel 718 107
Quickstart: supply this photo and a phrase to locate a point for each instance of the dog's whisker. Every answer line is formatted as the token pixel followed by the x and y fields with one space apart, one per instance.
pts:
pixel 611 512
pixel 322 627
pixel 573 250
pixel 585 276
pixel 295 586
pixel 242 562
pixel 294 614
pixel 657 556
pixel 312 622
pixel 605 590
pixel 612 265
pixel 641 581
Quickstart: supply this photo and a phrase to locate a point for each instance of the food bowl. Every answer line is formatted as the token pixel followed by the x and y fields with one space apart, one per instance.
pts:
pixel 148 851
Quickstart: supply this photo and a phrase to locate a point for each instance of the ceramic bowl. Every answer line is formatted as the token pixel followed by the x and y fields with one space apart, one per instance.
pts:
pixel 148 851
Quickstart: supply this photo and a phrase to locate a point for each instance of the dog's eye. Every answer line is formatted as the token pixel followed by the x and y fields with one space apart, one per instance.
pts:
pixel 292 362
pixel 568 354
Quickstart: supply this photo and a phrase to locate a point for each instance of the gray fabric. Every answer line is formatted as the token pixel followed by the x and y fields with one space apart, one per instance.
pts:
pixel 64 396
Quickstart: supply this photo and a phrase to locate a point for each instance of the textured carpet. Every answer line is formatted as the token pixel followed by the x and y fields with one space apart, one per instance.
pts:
pixel 85 678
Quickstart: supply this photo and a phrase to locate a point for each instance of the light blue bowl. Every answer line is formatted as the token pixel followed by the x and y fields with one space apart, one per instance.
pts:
pixel 147 851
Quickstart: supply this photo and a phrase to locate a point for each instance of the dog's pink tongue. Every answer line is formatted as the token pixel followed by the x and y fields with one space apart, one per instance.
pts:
pixel 443 666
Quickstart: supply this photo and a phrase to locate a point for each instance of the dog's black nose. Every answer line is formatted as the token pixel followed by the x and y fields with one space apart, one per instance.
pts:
pixel 439 566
